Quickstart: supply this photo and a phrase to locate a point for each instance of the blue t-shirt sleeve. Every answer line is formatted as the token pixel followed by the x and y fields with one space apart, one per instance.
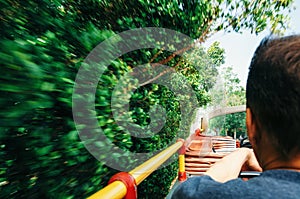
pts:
pixel 196 187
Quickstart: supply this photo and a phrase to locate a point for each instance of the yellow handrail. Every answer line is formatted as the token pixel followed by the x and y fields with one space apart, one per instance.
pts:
pixel 117 189
pixel 144 170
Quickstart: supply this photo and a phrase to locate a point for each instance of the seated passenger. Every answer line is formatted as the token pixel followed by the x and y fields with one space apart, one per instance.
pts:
pixel 273 127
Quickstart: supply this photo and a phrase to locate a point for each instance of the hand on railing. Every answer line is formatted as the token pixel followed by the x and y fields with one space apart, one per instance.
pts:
pixel 229 167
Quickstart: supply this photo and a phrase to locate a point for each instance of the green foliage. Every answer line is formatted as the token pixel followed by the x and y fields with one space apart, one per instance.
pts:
pixel 238 15
pixel 227 91
pixel 230 124
pixel 42 46
pixel 158 182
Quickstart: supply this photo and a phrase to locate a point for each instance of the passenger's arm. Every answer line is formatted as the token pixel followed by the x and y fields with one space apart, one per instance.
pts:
pixel 229 167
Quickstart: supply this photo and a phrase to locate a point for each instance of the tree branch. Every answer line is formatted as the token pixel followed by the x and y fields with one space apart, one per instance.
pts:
pixel 201 39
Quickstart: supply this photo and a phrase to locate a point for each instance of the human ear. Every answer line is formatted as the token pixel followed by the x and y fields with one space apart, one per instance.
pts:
pixel 251 126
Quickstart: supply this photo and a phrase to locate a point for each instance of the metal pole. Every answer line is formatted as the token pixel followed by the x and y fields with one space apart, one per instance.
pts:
pixel 181 163
pixel 118 189
pixel 144 170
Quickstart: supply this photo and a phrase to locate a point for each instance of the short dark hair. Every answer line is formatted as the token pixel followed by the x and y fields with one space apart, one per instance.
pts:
pixel 273 91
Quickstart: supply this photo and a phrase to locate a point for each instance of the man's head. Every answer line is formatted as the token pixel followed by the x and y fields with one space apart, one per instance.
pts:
pixel 273 92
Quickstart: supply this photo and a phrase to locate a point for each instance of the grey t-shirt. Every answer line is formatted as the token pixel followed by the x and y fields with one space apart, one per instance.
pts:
pixel 281 184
